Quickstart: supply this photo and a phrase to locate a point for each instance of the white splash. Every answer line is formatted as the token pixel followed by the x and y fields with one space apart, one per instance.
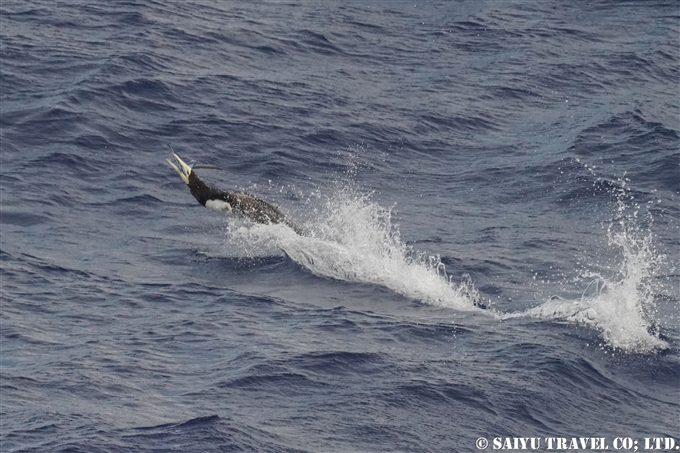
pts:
pixel 353 239
pixel 620 307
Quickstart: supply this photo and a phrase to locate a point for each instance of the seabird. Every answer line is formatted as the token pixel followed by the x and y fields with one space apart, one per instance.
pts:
pixel 239 203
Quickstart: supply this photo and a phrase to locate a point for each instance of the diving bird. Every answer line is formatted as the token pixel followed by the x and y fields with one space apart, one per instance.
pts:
pixel 239 203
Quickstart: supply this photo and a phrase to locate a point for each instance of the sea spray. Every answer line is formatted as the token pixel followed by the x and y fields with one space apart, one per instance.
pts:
pixel 352 238
pixel 620 306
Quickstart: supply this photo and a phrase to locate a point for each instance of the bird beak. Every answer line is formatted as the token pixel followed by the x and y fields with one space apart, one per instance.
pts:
pixel 182 169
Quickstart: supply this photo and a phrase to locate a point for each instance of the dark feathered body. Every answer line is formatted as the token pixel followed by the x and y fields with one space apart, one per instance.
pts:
pixel 239 203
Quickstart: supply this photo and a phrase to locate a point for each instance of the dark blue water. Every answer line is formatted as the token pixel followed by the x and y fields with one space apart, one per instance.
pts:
pixel 491 191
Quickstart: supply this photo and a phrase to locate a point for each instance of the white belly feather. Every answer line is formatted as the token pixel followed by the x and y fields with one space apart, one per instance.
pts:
pixel 218 205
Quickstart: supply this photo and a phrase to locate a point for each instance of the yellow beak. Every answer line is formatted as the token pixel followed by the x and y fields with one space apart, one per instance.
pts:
pixel 182 169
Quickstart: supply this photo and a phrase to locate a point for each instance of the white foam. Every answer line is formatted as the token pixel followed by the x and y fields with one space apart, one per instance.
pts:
pixel 353 239
pixel 621 307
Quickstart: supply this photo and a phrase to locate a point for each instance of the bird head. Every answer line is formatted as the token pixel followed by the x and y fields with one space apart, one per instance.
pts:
pixel 181 168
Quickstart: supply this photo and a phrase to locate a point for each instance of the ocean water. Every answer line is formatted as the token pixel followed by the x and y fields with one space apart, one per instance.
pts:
pixel 491 191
